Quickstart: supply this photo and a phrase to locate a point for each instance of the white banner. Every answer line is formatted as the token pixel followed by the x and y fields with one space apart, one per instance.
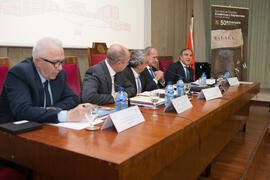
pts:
pixel 226 38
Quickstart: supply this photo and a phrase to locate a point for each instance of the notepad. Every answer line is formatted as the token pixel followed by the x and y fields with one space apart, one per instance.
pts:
pixel 19 127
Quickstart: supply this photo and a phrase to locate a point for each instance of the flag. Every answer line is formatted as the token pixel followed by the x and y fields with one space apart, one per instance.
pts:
pixel 190 43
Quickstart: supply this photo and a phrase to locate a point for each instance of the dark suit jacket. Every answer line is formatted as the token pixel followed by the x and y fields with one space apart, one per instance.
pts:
pixel 175 71
pixel 149 79
pixel 145 86
pixel 23 95
pixel 97 85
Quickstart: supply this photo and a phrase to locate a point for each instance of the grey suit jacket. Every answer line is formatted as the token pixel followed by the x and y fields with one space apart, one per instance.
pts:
pixel 97 85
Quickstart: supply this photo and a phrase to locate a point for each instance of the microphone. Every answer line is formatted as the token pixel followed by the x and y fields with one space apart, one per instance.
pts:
pixel 178 75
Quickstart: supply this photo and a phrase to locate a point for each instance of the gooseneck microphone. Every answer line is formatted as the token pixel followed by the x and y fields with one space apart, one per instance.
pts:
pixel 167 70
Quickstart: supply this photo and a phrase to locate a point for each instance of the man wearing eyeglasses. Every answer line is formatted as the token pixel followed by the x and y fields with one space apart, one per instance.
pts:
pixel 36 88
pixel 153 76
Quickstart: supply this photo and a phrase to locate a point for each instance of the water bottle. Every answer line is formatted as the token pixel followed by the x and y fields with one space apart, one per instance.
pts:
pixel 203 80
pixel 169 93
pixel 180 87
pixel 121 99
pixel 226 74
pixel 125 102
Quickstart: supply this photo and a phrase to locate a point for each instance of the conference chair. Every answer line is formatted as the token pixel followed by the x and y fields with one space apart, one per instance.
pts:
pixel 164 62
pixel 71 67
pixel 4 67
pixel 97 53
pixel 7 173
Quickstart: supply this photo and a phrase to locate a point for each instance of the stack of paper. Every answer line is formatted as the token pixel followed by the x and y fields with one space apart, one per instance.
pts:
pixel 144 100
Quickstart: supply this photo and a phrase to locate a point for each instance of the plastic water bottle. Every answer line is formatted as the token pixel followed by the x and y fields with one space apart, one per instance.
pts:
pixel 180 86
pixel 121 99
pixel 169 93
pixel 125 103
pixel 226 74
pixel 203 79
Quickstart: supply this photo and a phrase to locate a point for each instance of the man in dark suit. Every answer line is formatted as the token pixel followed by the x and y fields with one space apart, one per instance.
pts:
pixel 101 82
pixel 181 68
pixel 152 74
pixel 36 88
pixel 133 72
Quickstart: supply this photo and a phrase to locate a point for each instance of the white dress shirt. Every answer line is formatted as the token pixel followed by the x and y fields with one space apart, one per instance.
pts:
pixel 112 74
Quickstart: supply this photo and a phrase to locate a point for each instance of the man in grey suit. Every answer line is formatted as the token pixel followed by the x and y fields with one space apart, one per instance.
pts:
pixel 101 82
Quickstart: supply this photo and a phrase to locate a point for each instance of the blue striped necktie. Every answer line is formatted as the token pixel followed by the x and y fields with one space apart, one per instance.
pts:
pixel 139 85
pixel 152 73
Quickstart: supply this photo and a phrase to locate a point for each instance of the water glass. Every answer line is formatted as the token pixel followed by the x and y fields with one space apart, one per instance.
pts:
pixel 154 97
pixel 91 114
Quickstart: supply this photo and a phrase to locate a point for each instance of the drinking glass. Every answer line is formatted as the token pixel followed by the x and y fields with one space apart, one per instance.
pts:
pixel 187 89
pixel 154 97
pixel 91 114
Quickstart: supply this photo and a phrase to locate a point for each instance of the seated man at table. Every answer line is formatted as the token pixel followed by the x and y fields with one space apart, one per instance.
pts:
pixel 133 73
pixel 101 82
pixel 152 74
pixel 36 88
pixel 181 68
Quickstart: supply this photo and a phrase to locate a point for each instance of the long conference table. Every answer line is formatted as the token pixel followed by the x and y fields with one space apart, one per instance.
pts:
pixel 165 146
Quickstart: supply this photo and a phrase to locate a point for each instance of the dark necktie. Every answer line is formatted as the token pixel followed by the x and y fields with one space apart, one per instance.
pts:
pixel 47 94
pixel 187 74
pixel 152 73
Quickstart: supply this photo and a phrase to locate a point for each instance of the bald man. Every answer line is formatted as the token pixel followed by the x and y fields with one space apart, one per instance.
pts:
pixel 101 82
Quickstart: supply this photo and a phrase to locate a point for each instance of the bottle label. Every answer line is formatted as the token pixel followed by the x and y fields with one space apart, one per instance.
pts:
pixel 170 92
pixel 180 86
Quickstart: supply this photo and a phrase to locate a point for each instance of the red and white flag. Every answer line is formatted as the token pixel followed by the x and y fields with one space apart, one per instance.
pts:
pixel 190 43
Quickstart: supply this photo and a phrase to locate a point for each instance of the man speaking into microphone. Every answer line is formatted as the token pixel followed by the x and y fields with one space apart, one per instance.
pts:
pixel 181 68
pixel 101 82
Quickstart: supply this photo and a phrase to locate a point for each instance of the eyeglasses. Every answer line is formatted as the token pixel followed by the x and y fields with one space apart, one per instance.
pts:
pixel 154 57
pixel 56 64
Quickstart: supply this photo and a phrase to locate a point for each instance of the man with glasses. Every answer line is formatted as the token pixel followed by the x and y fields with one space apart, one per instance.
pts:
pixel 151 73
pixel 36 88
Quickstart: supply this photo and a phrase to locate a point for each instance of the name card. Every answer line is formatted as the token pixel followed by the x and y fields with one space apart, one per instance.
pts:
pixel 124 119
pixel 233 81
pixel 210 93
pixel 210 81
pixel 180 104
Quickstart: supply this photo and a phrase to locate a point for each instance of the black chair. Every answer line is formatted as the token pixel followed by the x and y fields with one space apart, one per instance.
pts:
pixel 201 67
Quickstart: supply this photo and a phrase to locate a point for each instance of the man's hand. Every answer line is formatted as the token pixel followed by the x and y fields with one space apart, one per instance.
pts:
pixel 114 96
pixel 159 75
pixel 78 113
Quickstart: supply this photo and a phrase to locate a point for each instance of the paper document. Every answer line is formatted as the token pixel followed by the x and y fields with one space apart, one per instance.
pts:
pixel 76 125
pixel 245 82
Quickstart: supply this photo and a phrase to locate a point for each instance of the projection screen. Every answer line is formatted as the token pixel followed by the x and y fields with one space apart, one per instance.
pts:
pixel 77 23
